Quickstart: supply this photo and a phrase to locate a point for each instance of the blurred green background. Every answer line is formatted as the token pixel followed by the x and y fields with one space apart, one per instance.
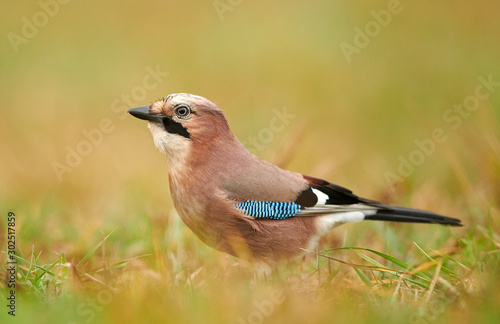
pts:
pixel 69 66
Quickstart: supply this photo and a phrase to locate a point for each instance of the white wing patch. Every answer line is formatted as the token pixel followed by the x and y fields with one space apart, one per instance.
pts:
pixel 326 222
pixel 322 197
pixel 321 208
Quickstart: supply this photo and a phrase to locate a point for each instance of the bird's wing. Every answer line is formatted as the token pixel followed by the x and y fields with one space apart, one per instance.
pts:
pixel 319 198
pixel 325 198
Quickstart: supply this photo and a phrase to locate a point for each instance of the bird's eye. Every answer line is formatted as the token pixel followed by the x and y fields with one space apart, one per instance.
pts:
pixel 182 111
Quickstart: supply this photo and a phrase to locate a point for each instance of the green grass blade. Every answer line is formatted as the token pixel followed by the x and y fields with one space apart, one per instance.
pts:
pixel 394 260
pixel 364 277
pixel 390 258
pixel 89 254
pixel 34 265
pixel 443 268
pixel 372 261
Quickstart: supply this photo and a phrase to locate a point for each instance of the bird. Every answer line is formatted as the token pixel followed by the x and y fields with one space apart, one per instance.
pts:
pixel 242 205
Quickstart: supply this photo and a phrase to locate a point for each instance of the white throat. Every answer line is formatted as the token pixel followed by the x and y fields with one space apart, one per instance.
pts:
pixel 175 147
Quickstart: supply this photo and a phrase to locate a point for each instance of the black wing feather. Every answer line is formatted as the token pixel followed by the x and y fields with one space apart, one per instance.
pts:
pixel 342 196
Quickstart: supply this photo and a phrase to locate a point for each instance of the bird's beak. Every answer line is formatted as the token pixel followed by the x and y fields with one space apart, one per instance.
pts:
pixel 143 113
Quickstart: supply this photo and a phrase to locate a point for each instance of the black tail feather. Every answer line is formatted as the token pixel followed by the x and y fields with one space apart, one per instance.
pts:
pixel 409 215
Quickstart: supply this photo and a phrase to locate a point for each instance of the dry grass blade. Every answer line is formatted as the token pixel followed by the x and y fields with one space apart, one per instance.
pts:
pixel 433 282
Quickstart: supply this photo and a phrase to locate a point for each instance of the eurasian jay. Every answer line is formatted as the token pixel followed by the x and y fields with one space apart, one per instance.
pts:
pixel 242 205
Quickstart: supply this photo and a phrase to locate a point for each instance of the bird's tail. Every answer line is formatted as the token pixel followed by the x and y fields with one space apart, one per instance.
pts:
pixel 410 215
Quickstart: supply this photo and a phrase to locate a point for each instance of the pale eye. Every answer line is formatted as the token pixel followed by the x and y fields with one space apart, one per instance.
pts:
pixel 182 111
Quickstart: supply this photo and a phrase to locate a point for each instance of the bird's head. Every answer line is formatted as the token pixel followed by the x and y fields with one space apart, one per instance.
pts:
pixel 180 121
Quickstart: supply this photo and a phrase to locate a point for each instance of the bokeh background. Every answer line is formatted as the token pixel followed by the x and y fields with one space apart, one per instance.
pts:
pixel 70 67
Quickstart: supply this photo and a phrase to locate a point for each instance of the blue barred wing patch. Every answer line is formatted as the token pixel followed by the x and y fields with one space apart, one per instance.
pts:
pixel 269 210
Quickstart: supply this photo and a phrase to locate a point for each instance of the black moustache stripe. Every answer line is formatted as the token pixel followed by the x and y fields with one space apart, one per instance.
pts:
pixel 175 128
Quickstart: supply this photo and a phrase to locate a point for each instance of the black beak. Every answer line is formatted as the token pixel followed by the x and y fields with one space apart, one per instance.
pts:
pixel 143 113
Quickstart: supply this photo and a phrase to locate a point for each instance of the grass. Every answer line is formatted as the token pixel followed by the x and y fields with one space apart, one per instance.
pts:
pixel 413 285
pixel 104 243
